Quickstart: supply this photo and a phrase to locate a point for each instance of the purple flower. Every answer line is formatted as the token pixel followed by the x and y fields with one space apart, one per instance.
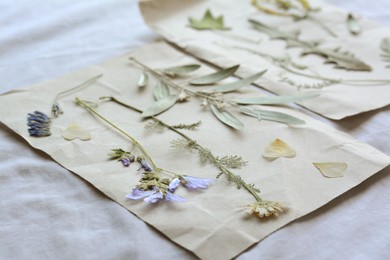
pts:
pixel 125 161
pixel 174 184
pixel 145 166
pixel 39 124
pixel 196 183
pixel 169 196
pixel 137 194
pixel 152 196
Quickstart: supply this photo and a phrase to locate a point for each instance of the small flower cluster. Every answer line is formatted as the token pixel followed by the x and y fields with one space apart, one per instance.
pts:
pixel 265 209
pixel 153 188
pixel 39 124
pixel 125 157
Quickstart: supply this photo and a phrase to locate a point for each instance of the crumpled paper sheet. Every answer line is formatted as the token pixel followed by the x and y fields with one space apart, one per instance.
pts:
pixel 169 18
pixel 213 223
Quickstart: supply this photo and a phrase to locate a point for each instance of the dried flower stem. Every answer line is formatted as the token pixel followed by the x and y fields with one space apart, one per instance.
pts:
pixel 133 140
pixel 231 176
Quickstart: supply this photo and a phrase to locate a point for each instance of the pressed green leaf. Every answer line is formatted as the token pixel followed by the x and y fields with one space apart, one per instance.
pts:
pixel 238 84
pixel 180 70
pixel 271 100
pixel 160 106
pixel 227 118
pixel 161 90
pixel 385 47
pixel 214 77
pixel 342 59
pixel 272 116
pixel 208 22
pixel 143 80
pixel 353 25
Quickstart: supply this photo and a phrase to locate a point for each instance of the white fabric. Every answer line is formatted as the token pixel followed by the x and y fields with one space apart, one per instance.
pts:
pixel 46 212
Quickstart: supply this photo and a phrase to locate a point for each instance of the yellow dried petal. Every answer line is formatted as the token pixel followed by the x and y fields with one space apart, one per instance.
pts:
pixel 74 131
pixel 331 169
pixel 277 149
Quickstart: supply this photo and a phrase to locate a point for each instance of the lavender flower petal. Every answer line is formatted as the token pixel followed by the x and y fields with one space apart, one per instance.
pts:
pixel 137 194
pixel 145 166
pixel 196 183
pixel 174 184
pixel 125 161
pixel 169 196
pixel 154 197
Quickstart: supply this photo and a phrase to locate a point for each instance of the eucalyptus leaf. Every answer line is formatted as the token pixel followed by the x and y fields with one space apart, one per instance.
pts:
pixel 238 84
pixel 271 100
pixel 208 22
pixel 160 106
pixel 385 47
pixel 272 116
pixel 227 118
pixel 180 70
pixel 353 25
pixel 161 90
pixel 143 80
pixel 214 77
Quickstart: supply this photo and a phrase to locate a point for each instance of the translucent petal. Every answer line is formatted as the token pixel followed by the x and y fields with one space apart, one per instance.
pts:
pixel 277 149
pixel 331 169
pixel 75 131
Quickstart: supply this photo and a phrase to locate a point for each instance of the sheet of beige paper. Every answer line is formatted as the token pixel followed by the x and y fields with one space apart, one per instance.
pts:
pixel 213 223
pixel 169 18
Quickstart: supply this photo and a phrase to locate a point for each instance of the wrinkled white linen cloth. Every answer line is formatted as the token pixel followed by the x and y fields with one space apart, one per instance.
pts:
pixel 46 212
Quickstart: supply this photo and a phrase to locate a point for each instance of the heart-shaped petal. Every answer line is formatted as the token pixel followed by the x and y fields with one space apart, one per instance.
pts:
pixel 331 169
pixel 74 131
pixel 277 149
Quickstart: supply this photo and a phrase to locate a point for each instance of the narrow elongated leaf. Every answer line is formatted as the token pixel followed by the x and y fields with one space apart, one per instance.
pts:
pixel 214 77
pixel 143 80
pixel 227 118
pixel 353 25
pixel 161 90
pixel 180 70
pixel 272 116
pixel 160 106
pixel 238 84
pixel 272 100
pixel 385 47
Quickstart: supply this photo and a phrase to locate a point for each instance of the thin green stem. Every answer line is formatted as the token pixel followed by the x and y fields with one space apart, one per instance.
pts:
pixel 214 159
pixel 78 87
pixel 133 140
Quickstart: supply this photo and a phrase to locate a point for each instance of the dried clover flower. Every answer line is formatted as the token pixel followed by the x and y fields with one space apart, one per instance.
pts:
pixel 39 124
pixel 265 209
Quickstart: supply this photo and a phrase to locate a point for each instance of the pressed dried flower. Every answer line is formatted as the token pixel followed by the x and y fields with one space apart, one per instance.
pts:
pixel 126 158
pixel 39 124
pixel 277 149
pixel 265 209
